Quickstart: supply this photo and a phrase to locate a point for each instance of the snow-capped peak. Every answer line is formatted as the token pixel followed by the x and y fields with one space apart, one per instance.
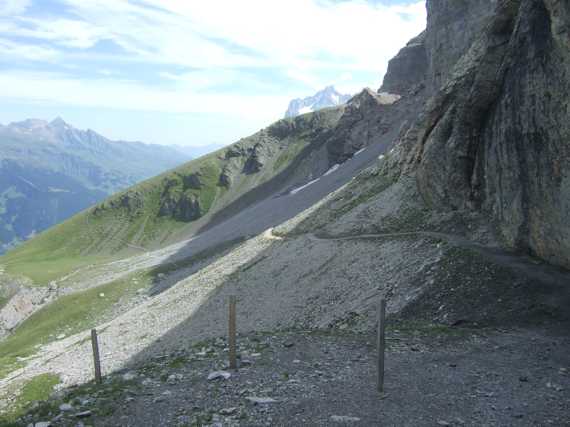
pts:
pixel 328 97
pixel 58 122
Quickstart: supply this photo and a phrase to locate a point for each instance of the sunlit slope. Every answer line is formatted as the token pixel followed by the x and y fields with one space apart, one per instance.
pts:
pixel 169 206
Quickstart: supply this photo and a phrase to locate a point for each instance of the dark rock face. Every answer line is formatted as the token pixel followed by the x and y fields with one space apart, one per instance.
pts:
pixel 408 68
pixel 131 202
pixel 192 181
pixel 226 178
pixel 495 136
pixel 185 207
pixel 365 119
pixel 178 201
pixel 522 173
pixel 452 26
pixel 254 161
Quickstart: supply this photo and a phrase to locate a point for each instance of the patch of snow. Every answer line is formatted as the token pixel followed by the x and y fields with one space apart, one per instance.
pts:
pixel 29 183
pixel 260 400
pixel 306 110
pixel 57 190
pixel 344 419
pixel 331 170
pixel 381 156
pixel 302 187
pixel 358 152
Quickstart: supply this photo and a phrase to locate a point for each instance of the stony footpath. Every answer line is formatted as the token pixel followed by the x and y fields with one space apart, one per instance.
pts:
pixel 434 377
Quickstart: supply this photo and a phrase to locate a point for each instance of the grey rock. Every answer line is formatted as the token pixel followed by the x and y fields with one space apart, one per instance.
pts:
pixel 174 378
pixel 129 376
pixel 65 407
pixel 83 414
pixel 181 205
pixel 365 120
pixel 554 386
pixel 408 68
pixel 492 137
pixel 228 411
pixel 219 374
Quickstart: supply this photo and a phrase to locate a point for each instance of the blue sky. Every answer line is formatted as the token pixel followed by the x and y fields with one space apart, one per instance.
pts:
pixel 185 71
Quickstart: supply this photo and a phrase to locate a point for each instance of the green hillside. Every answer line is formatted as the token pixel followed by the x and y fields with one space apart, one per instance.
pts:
pixel 170 206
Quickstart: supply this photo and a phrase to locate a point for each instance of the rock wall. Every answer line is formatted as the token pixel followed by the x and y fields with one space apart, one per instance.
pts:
pixel 366 119
pixel 495 134
pixel 22 304
pixel 407 69
pixel 452 26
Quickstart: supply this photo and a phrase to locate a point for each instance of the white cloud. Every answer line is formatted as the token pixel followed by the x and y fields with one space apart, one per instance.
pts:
pixel 300 35
pixel 54 88
pixel 66 32
pixel 305 40
pixel 13 7
pixel 9 49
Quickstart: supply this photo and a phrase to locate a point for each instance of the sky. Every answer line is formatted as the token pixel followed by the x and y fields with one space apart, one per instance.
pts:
pixel 190 72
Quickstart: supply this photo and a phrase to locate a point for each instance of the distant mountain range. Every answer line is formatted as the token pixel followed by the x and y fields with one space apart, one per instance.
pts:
pixel 328 97
pixel 49 171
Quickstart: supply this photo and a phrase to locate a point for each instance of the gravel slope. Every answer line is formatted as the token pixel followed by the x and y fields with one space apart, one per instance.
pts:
pixel 455 377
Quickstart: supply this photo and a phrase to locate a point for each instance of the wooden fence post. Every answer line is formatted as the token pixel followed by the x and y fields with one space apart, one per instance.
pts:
pixel 232 333
pixel 96 360
pixel 381 343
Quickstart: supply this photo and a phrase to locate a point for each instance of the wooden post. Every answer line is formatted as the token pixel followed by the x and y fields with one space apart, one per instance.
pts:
pixel 96 360
pixel 381 343
pixel 232 332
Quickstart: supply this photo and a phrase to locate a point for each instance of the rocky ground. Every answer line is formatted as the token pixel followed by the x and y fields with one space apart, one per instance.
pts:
pixel 434 377
pixel 292 278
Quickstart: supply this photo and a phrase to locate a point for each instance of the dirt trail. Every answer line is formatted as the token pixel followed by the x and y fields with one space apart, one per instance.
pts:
pixel 532 267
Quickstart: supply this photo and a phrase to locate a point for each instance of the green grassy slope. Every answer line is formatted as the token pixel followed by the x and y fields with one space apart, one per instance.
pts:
pixel 153 212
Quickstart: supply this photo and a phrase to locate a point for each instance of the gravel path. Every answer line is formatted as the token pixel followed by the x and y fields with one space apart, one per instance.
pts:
pixel 517 377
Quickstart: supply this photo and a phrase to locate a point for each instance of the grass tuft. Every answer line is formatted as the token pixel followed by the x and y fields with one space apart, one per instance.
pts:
pixel 37 389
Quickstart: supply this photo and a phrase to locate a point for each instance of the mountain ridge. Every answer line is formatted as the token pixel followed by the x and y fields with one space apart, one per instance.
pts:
pixel 327 97
pixel 50 170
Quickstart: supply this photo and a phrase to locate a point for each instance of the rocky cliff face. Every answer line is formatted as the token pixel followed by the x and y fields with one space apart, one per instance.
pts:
pixel 494 135
pixel 408 69
pixel 366 119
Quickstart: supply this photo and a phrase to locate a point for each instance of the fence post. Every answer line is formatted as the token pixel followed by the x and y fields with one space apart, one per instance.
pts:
pixel 232 332
pixel 381 343
pixel 96 360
